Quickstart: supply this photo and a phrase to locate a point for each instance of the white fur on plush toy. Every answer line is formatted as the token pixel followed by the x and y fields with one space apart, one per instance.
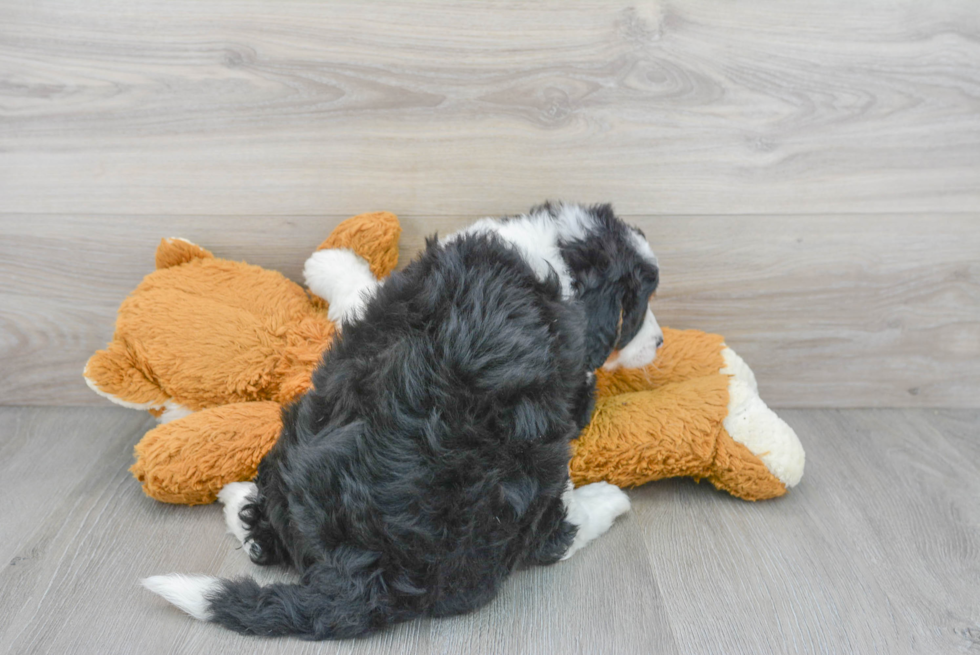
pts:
pixel 169 410
pixel 342 278
pixel 751 423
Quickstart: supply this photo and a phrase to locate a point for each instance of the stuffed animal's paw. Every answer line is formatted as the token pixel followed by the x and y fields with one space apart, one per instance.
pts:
pixel 750 422
pixel 114 374
pixel 345 269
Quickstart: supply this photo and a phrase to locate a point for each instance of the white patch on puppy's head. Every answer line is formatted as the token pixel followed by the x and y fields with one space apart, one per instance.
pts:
pixel 643 248
pixel 600 259
pixel 538 237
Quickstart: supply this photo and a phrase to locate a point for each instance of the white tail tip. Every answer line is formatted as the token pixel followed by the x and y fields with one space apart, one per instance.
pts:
pixel 188 592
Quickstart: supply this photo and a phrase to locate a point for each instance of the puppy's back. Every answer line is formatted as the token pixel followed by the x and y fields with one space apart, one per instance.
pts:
pixel 440 418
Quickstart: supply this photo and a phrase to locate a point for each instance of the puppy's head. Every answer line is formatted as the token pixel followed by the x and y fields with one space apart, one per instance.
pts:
pixel 615 275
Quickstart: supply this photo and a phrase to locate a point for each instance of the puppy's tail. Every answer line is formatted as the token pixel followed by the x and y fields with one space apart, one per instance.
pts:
pixel 327 604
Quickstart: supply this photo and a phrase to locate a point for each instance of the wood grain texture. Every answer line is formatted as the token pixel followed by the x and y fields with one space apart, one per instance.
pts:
pixel 444 108
pixel 876 551
pixel 830 311
pixel 69 580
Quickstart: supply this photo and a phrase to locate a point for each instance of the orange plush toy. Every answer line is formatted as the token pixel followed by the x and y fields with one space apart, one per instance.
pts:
pixel 694 412
pixel 214 348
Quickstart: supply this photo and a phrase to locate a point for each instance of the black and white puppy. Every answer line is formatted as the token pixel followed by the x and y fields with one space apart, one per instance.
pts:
pixel 430 458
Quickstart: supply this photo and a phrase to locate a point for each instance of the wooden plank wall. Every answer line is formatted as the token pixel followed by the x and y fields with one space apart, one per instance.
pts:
pixel 808 173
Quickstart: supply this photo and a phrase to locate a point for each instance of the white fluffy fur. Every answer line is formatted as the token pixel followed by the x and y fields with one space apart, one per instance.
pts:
pixel 752 423
pixel 342 278
pixel 188 592
pixel 642 350
pixel 592 509
pixel 536 236
pixel 233 496
pixel 643 247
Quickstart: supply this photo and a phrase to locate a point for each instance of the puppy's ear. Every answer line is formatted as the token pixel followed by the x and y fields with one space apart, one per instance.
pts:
pixel 603 312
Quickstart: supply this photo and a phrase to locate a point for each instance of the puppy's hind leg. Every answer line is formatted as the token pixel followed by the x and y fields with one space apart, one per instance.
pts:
pixel 552 538
pixel 575 519
pixel 246 519
pixel 234 496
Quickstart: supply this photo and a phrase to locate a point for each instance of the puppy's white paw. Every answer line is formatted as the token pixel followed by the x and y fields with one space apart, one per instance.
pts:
pixel 604 497
pixel 592 509
pixel 233 496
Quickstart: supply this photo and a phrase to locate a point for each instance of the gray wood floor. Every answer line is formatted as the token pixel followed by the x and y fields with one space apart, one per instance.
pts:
pixel 877 551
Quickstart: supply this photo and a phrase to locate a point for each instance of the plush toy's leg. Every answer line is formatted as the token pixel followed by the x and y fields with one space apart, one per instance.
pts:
pixel 187 461
pixel 343 279
pixel 694 412
pixel 592 510
pixel 741 473
pixel 676 431
pixel 750 422
pixel 638 437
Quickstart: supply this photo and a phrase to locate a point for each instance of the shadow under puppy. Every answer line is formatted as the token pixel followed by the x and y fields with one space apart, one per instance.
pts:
pixel 430 458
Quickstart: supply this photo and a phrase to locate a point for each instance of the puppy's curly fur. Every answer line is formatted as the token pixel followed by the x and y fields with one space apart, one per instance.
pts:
pixel 430 458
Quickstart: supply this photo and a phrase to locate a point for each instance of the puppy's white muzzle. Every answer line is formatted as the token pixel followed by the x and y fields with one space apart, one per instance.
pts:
pixel 642 350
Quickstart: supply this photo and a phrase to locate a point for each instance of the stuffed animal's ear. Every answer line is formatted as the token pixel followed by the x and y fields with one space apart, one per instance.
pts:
pixel 603 313
pixel 175 251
